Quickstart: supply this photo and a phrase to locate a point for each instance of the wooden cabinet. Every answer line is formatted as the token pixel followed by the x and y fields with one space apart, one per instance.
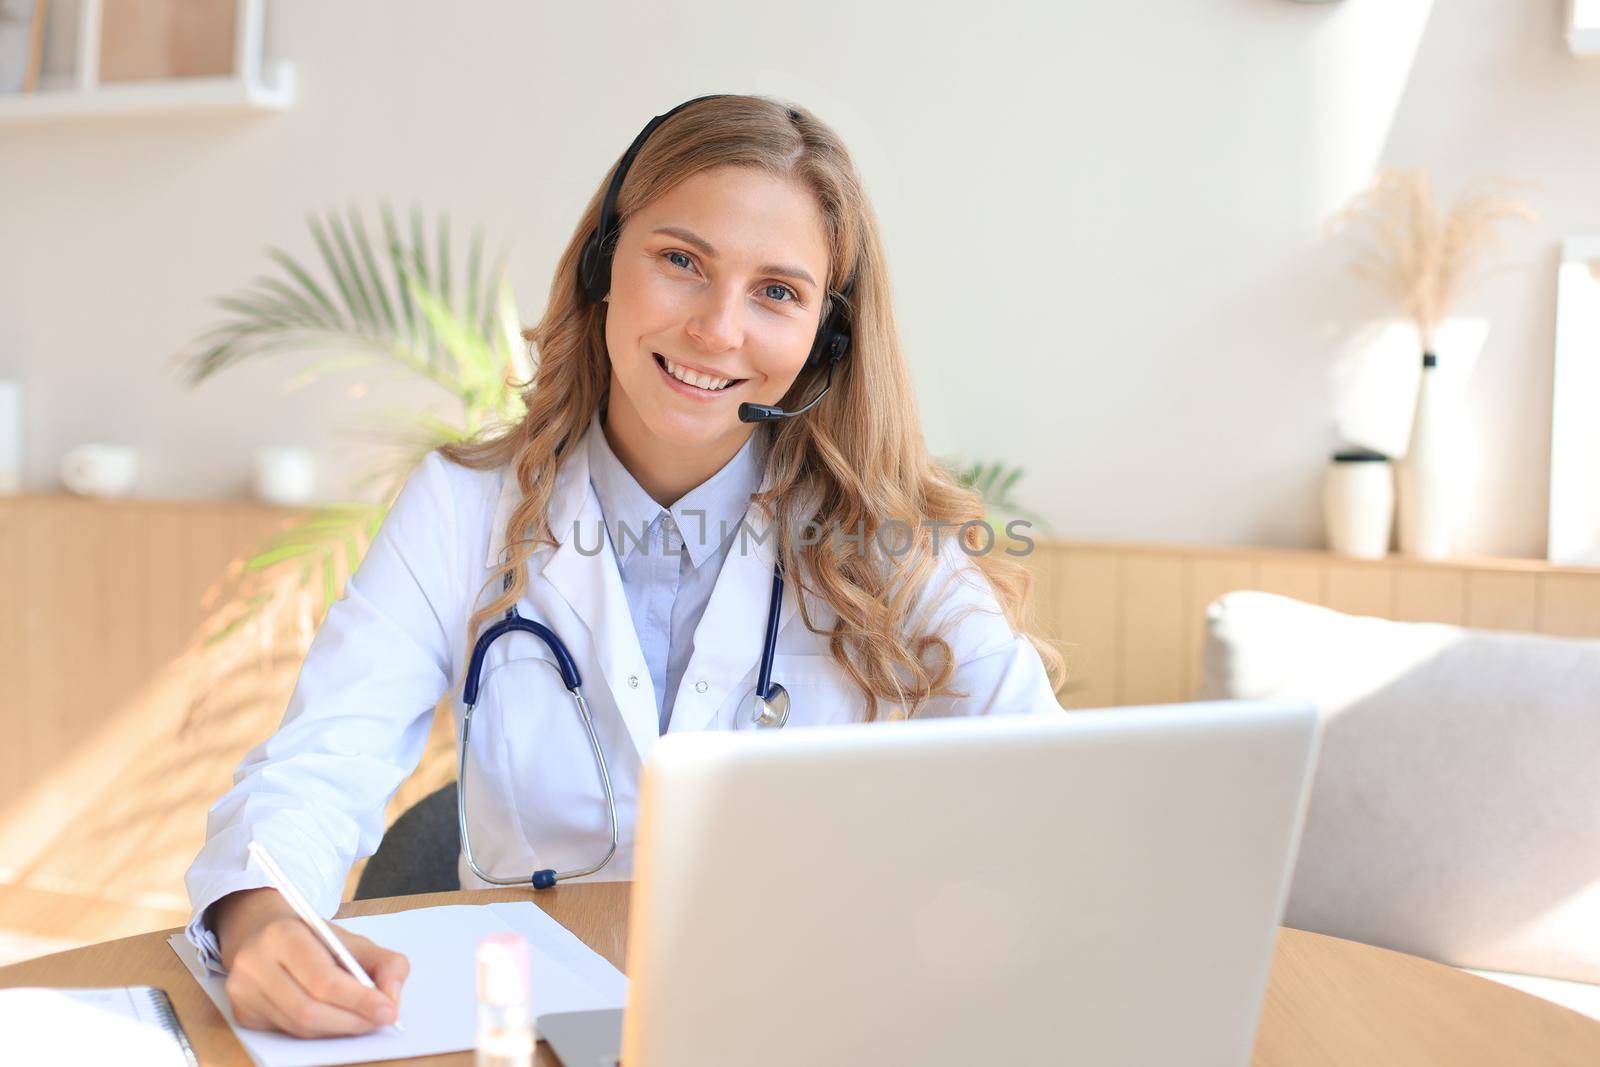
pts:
pixel 122 726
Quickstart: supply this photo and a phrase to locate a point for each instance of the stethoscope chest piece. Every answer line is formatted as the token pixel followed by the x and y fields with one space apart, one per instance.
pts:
pixel 769 713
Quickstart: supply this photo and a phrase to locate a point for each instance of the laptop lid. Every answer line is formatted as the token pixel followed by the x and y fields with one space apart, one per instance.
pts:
pixel 1097 887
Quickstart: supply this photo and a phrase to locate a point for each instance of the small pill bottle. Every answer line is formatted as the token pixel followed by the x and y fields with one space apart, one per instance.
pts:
pixel 505 1012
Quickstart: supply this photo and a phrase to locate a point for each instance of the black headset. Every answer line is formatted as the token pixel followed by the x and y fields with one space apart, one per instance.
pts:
pixel 832 343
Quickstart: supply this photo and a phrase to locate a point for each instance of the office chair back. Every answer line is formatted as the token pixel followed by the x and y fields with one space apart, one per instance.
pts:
pixel 418 853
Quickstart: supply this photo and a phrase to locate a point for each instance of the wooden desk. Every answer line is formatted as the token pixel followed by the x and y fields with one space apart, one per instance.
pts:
pixel 1329 1002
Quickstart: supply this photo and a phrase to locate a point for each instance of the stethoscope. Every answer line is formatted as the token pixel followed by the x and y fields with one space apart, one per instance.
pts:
pixel 766 706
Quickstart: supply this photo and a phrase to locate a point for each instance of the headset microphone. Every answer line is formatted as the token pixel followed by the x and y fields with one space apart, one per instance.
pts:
pixel 772 413
pixel 834 340
pixel 832 343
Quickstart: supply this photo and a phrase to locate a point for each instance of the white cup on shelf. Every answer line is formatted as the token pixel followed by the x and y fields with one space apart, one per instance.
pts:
pixel 101 470
pixel 285 475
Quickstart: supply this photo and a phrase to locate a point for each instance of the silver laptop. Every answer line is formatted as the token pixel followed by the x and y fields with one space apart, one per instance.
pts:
pixel 1097 887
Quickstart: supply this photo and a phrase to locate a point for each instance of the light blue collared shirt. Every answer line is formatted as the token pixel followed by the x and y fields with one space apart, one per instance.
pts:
pixel 670 557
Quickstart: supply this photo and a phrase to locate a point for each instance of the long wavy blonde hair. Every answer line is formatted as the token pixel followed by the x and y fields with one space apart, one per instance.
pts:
pixel 856 462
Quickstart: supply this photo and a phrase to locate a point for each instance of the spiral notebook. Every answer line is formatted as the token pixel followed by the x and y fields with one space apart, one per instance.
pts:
pixel 130 1026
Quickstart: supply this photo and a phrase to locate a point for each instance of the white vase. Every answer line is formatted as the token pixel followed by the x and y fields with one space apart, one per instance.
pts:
pixel 1428 479
pixel 1358 504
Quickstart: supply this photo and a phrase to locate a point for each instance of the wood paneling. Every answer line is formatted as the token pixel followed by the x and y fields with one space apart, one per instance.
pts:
pixel 1569 604
pixel 1500 601
pixel 1047 564
pixel 1301 579
pixel 1154 595
pixel 1430 594
pixel 105 788
pixel 1360 588
pixel 13 671
pixel 1089 615
pixel 121 729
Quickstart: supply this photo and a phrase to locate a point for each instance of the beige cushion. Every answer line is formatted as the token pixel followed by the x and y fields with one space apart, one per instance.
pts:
pixel 1455 810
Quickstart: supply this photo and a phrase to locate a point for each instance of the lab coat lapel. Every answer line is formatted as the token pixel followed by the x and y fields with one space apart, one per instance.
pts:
pixel 583 570
pixel 727 643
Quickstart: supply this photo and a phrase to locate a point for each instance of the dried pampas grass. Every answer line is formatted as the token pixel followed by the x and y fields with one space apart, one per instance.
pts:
pixel 1421 257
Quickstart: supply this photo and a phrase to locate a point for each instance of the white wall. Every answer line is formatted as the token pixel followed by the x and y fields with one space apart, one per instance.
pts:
pixel 1103 221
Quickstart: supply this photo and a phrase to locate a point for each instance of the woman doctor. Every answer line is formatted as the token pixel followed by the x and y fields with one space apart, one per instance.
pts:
pixel 638 517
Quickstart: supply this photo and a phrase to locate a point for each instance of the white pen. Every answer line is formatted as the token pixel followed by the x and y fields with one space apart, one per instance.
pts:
pixel 302 908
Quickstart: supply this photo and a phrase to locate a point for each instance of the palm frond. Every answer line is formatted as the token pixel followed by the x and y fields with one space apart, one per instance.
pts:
pixel 374 277
pixel 287 262
pixel 330 366
pixel 492 311
pixel 475 293
pixel 354 313
pixel 397 262
pixel 419 270
pixel 442 247
pixel 994 482
pixel 510 349
pixel 372 298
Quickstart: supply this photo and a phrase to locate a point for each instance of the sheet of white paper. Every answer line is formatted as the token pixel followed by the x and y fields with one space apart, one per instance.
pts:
pixel 108 1025
pixel 438 1005
pixel 561 948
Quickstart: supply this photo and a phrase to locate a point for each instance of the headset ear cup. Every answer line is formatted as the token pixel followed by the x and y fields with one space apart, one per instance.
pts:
pixel 818 347
pixel 833 339
pixel 594 265
pixel 841 345
pixel 819 344
pixel 831 346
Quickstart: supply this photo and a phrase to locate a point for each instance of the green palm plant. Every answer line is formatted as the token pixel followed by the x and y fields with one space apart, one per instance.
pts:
pixel 994 481
pixel 394 303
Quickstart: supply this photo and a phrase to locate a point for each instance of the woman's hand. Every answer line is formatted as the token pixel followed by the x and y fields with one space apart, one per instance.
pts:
pixel 282 977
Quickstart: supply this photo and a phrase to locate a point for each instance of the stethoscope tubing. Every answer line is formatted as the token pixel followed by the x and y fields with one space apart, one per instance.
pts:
pixel 769 643
pixel 543 879
pixel 568 669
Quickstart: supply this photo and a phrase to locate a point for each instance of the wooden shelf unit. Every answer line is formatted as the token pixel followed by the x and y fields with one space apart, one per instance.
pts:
pixel 167 96
pixel 254 86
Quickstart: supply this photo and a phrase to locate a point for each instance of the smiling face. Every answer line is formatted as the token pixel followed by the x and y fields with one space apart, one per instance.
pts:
pixel 716 291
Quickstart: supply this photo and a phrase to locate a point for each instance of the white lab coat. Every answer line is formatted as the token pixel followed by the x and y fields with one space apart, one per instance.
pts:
pixel 315 791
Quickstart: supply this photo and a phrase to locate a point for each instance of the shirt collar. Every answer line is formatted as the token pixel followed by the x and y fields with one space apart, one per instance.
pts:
pixel 703 516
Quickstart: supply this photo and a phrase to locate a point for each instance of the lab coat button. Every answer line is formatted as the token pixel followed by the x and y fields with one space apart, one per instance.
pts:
pixel 701 686
pixel 633 681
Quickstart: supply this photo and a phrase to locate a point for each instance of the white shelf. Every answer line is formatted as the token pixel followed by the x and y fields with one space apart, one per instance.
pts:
pixel 169 96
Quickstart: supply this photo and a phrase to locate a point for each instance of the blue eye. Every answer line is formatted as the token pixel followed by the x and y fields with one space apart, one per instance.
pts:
pixel 792 298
